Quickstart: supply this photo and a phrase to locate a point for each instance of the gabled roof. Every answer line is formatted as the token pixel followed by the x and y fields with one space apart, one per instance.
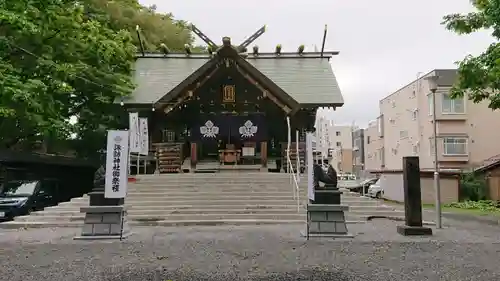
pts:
pixel 488 164
pixel 307 78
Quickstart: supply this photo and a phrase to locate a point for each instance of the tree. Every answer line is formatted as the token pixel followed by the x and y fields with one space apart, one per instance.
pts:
pixel 479 77
pixel 156 28
pixel 54 64
pixel 67 58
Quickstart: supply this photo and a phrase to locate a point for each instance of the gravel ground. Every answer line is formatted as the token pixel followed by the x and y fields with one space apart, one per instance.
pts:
pixel 470 252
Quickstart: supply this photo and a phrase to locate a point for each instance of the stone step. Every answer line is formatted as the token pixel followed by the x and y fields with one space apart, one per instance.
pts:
pixel 40 224
pixel 203 212
pixel 228 208
pixel 196 211
pixel 214 188
pixel 163 202
pixel 213 202
pixel 191 176
pixel 155 216
pixel 209 191
pixel 187 206
pixel 207 194
pixel 187 197
pixel 218 181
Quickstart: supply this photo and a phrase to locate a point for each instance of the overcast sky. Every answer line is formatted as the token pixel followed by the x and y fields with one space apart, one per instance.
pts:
pixel 383 44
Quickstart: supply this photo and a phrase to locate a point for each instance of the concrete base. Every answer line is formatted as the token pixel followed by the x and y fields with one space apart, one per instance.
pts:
pixel 326 220
pixel 104 222
pixel 414 230
pixel 303 233
pixel 326 197
pixel 106 237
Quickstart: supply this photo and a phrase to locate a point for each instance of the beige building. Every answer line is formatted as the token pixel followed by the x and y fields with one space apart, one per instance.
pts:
pixel 467 133
pixel 341 156
pixel 373 146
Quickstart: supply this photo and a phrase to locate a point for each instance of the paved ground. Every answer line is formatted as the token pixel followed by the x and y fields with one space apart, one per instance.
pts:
pixel 253 253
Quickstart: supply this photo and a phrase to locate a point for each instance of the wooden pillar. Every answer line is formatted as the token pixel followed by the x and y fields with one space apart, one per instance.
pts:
pixel 194 156
pixel 263 153
pixel 413 199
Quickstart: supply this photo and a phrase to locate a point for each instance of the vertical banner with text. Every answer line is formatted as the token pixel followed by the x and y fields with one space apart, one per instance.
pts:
pixel 135 136
pixel 309 163
pixel 116 164
pixel 144 133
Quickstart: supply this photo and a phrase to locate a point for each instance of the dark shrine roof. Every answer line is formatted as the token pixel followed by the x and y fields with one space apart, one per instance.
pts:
pixel 307 78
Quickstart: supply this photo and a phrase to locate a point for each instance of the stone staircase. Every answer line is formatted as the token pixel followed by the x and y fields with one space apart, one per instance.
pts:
pixel 235 198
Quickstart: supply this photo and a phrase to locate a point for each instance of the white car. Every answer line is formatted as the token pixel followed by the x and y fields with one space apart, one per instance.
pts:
pixel 375 190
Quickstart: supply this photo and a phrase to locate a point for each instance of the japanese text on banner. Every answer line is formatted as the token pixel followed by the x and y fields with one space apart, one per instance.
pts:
pixel 116 164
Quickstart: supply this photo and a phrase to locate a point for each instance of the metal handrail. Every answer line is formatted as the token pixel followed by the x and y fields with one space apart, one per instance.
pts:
pixel 293 179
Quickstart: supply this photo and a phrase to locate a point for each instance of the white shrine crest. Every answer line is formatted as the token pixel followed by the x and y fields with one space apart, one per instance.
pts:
pixel 209 130
pixel 248 129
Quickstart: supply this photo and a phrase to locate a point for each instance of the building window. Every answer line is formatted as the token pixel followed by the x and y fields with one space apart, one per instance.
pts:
pixel 455 146
pixel 367 139
pixel 339 144
pixel 393 104
pixel 380 125
pixel 337 133
pixel 357 143
pixel 415 150
pixel 414 114
pixel 403 134
pixel 430 102
pixel 453 106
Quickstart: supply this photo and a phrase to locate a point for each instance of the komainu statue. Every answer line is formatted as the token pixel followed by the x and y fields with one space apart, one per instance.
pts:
pixel 329 178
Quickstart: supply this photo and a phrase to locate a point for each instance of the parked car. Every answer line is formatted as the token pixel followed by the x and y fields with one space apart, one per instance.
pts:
pixel 346 177
pixel 20 197
pixel 359 186
pixel 375 190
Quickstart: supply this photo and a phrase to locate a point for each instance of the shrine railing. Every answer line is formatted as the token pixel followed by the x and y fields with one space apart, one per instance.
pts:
pixel 294 182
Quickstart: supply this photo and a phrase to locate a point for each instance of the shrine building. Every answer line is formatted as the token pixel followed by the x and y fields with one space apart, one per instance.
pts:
pixel 229 105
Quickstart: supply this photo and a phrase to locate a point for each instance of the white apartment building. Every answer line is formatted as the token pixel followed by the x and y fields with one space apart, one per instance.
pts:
pixel 467 132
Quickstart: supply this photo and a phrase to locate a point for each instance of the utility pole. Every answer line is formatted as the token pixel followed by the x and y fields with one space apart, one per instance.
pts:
pixel 437 184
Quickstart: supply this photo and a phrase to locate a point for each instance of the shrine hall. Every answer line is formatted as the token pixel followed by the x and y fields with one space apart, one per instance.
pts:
pixel 229 106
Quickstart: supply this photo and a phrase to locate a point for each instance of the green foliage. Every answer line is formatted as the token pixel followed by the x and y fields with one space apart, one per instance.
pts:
pixel 482 205
pixel 479 77
pixel 56 64
pixel 473 187
pixel 156 28
pixel 64 58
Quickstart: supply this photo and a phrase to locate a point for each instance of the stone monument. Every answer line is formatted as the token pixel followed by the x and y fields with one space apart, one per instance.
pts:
pixel 105 218
pixel 325 215
pixel 413 199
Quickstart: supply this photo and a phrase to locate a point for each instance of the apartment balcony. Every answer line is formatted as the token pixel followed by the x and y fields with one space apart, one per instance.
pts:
pixel 453 158
pixel 451 116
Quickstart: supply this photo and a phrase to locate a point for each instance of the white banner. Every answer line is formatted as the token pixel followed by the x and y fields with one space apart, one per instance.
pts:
pixel 116 164
pixel 309 163
pixel 144 133
pixel 135 137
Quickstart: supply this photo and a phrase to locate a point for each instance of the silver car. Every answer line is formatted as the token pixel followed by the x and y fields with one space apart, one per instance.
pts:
pixel 375 190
